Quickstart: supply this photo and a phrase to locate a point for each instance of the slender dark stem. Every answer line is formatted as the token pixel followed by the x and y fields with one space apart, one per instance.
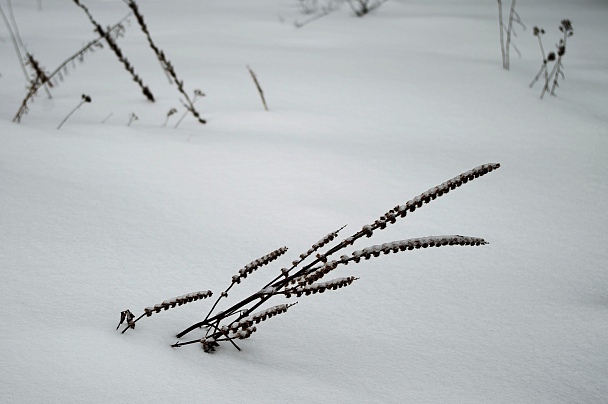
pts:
pixel 134 321
pixel 549 77
pixel 167 66
pixel 15 44
pixel 509 31
pixel 145 90
pixel 501 29
pixel 559 65
pixel 257 84
pixel 88 46
pixel 389 217
pixel 70 114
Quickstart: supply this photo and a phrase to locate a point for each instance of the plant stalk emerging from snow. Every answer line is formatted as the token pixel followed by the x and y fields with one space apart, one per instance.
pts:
pixel 165 63
pixel 105 34
pixel 84 100
pixel 302 279
pixel 114 31
pixel 257 84
pixel 558 67
pixel 507 43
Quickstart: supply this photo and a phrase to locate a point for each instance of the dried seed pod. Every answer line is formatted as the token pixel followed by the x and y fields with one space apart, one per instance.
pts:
pixel 316 246
pixel 177 301
pixel 411 244
pixel 254 265
pixel 321 286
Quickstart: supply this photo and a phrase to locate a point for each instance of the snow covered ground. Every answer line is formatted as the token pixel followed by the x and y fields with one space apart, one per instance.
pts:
pixel 364 114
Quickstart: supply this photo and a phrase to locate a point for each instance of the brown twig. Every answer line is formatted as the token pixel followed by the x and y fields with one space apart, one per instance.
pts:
pixel 114 47
pixel 165 63
pixel 257 84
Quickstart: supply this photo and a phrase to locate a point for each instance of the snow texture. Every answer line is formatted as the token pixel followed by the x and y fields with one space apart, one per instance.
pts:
pixel 365 113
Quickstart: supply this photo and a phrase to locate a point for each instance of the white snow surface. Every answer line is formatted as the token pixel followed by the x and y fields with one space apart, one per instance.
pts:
pixel 365 113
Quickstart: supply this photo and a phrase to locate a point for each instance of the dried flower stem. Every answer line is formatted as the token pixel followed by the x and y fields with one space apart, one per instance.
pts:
pixel 35 85
pixel 257 84
pixel 165 63
pixel 84 99
pixel 15 44
pixel 145 90
pixel 276 286
pixel 166 305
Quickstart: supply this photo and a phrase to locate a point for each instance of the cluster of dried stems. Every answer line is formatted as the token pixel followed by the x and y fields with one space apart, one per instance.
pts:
pixel 188 103
pixel 552 78
pixel 117 51
pixel 320 8
pixel 508 30
pixel 302 278
pixel 41 78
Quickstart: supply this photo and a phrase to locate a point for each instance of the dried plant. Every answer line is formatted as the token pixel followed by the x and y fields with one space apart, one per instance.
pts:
pixel 107 117
pixel 15 42
pixel 257 84
pixel 39 74
pixel 117 51
pixel 132 118
pixel 363 7
pixel 302 277
pixel 114 32
pixel 507 43
pixel 171 112
pixel 165 63
pixel 196 94
pixel 552 78
pixel 85 99
pixel 538 33
pixel 317 9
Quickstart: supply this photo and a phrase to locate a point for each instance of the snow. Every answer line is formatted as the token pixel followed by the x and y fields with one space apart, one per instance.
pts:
pixel 365 114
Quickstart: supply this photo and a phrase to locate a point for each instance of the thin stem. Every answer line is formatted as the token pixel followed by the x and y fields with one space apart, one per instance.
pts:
pixel 134 321
pixel 107 117
pixel 88 46
pixel 9 4
pixel 145 90
pixel 558 63
pixel 167 66
pixel 70 114
pixel 543 68
pixel 501 28
pixel 257 84
pixel 509 31
pixel 15 44
pixel 549 77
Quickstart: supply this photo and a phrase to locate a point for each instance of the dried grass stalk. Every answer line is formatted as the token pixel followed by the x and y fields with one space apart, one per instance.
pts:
pixel 237 322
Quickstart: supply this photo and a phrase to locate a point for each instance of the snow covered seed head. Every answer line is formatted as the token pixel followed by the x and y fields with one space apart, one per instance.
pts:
pixel 320 287
pixel 440 190
pixel 412 244
pixel 254 265
pixel 316 246
pixel 566 26
pixel 177 301
pixel 538 31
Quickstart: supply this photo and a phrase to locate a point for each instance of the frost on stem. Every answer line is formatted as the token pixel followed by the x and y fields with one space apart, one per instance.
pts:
pixel 256 318
pixel 236 322
pixel 320 287
pixel 254 265
pixel 166 305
